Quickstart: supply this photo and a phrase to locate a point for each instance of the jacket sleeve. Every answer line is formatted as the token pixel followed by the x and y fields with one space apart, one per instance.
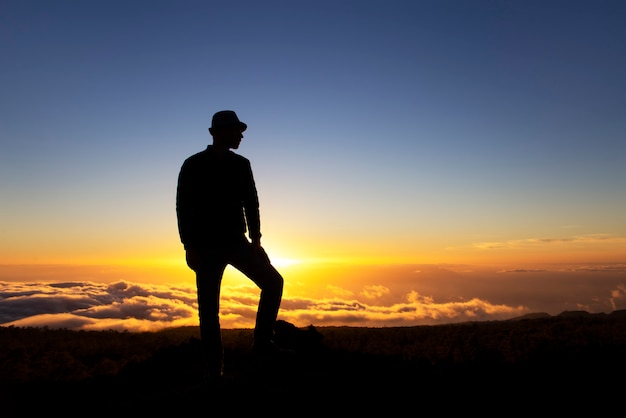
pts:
pixel 184 206
pixel 251 204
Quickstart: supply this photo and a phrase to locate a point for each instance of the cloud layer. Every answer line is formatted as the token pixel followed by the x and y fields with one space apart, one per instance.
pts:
pixel 445 295
pixel 140 307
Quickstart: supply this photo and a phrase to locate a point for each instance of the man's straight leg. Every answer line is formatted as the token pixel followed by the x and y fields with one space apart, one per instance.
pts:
pixel 208 281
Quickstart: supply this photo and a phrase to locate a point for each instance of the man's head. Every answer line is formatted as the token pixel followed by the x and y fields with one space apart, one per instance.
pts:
pixel 226 129
pixel 226 119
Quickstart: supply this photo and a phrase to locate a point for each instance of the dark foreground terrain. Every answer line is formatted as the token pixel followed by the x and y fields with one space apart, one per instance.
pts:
pixel 574 363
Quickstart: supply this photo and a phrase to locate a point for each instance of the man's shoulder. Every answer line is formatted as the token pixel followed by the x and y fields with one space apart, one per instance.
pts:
pixel 197 156
pixel 207 154
pixel 238 157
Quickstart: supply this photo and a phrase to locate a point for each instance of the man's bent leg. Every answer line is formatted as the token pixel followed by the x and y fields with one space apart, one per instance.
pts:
pixel 258 268
pixel 271 284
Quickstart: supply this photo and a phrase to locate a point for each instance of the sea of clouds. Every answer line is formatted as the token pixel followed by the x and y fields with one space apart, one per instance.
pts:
pixel 413 297
pixel 142 307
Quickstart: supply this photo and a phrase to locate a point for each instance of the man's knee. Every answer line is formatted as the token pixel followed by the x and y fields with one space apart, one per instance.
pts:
pixel 280 282
pixel 274 281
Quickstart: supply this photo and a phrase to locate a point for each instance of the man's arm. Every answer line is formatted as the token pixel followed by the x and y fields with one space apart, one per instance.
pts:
pixel 186 210
pixel 251 208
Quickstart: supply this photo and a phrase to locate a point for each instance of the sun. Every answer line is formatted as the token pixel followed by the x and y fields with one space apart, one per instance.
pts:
pixel 284 262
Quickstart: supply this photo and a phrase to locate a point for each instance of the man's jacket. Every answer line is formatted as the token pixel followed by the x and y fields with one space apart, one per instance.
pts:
pixel 216 199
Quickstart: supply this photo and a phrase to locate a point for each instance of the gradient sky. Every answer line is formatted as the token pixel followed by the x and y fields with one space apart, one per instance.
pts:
pixel 460 142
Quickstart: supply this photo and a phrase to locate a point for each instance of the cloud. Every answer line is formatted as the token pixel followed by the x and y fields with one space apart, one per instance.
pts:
pixel 139 307
pixel 618 297
pixel 339 291
pixel 387 297
pixel 587 268
pixel 375 292
pixel 417 310
pixel 88 305
pixel 599 268
pixel 586 240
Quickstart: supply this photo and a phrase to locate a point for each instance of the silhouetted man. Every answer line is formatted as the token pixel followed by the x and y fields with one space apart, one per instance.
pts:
pixel 216 204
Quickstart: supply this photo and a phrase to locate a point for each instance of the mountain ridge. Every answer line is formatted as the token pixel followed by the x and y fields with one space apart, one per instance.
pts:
pixel 620 313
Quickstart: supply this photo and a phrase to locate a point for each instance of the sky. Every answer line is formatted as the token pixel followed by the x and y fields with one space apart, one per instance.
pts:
pixel 417 162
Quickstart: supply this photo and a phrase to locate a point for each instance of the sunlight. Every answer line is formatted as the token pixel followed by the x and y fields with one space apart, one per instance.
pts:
pixel 284 262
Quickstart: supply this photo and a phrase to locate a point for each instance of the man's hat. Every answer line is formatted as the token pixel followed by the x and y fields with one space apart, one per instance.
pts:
pixel 225 119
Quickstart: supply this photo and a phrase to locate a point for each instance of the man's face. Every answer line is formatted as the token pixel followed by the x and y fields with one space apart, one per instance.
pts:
pixel 229 136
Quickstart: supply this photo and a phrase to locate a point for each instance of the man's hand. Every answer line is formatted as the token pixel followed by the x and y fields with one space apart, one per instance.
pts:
pixel 194 258
pixel 258 250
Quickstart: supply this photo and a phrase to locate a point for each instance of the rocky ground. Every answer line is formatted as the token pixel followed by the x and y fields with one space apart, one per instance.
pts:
pixel 569 366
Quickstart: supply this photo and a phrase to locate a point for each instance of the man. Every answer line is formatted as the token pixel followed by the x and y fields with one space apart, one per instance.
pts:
pixel 216 204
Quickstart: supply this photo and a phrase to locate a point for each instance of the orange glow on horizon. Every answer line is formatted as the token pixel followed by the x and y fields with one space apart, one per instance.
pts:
pixel 165 263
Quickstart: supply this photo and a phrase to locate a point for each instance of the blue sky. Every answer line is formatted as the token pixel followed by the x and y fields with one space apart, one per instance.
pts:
pixel 397 131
